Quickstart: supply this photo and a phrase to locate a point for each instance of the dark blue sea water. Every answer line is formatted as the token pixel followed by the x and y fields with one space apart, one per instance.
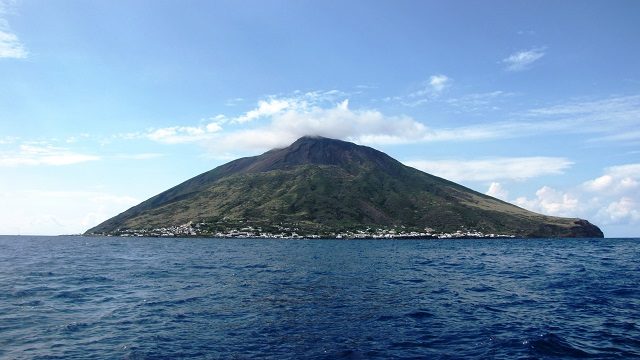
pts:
pixel 77 297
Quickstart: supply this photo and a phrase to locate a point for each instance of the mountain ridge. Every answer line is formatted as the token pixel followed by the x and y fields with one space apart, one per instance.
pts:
pixel 319 185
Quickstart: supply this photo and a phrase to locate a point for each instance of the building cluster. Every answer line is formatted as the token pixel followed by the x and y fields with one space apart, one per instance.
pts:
pixel 249 232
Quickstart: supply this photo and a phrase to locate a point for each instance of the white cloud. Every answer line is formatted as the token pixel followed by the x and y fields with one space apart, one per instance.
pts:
pixel 626 209
pixel 58 212
pixel 183 134
pixel 515 168
pixel 610 199
pixel 521 60
pixel 340 121
pixel 600 183
pixel 620 179
pixel 299 101
pixel 550 201
pixel 363 126
pixel 439 82
pixel 497 191
pixel 624 170
pixel 286 119
pixel 273 108
pixel 10 45
pixel 28 154
pixel 265 108
pixel 617 194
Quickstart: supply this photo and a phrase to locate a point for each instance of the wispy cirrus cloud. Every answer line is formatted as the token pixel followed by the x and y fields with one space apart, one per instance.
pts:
pixel 5 140
pixel 181 134
pixel 439 82
pixel 140 156
pixel 32 155
pixel 234 101
pixel 479 102
pixel 627 106
pixel 492 169
pixel 430 90
pixel 434 91
pixel 615 118
pixel 629 137
pixel 10 45
pixel 523 59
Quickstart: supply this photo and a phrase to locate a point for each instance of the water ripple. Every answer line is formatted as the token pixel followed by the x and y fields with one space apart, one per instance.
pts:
pixel 76 297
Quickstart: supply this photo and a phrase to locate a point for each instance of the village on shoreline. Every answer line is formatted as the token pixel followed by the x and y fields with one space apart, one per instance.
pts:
pixel 250 232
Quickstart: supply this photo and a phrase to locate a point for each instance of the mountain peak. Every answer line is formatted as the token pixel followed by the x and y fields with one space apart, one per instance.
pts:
pixel 318 150
pixel 320 142
pixel 318 139
pixel 313 138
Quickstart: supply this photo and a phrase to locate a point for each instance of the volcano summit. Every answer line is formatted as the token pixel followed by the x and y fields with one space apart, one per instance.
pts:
pixel 324 187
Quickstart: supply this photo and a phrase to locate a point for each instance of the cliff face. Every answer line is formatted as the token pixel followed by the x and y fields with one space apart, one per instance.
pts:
pixel 322 185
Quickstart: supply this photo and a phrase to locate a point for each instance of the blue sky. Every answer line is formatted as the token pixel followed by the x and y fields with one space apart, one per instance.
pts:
pixel 104 104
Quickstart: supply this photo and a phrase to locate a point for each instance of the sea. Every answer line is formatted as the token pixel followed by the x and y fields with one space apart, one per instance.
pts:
pixel 193 298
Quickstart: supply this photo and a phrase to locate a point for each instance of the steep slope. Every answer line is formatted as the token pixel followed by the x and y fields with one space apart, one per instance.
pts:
pixel 322 185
